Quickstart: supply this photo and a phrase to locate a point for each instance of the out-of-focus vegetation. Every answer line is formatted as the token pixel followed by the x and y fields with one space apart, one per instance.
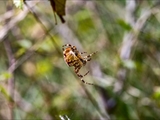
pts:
pixel 36 83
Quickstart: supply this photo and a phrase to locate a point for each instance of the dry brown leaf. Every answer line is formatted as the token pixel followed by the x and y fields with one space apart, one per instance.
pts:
pixel 58 7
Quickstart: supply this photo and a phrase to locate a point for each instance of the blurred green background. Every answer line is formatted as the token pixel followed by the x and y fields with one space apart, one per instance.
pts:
pixel 36 83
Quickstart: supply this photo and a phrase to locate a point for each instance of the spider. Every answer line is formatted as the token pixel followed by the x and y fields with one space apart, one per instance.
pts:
pixel 73 58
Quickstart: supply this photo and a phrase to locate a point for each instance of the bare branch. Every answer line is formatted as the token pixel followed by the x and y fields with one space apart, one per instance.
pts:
pixel 7 15
pixel 12 23
pixel 128 41
pixel 43 26
pixel 4 30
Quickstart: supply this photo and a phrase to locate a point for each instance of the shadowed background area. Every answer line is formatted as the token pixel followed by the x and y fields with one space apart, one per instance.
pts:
pixel 36 83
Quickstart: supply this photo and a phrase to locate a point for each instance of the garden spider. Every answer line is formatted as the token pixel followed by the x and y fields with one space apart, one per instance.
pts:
pixel 73 57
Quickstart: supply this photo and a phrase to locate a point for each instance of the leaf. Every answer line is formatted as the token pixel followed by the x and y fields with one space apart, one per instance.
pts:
pixel 25 43
pixel 129 64
pixel 4 91
pixel 124 25
pixel 58 7
pixel 156 94
pixel 18 3
pixel 5 76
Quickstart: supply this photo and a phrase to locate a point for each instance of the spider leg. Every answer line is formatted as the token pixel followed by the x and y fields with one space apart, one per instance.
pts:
pixel 81 76
pixel 77 68
pixel 88 57
pixel 71 46
pixel 82 53
pixel 86 82
pixel 68 45
pixel 86 73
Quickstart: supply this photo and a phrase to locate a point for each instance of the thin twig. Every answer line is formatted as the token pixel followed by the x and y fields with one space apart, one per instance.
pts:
pixel 4 30
pixel 11 82
pixel 6 15
pixel 44 27
pixel 11 60
pixel 128 41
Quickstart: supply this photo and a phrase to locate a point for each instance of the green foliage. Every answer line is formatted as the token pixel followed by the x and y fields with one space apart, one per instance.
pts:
pixel 5 76
pixel 124 25
pixel 4 92
pixel 18 3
